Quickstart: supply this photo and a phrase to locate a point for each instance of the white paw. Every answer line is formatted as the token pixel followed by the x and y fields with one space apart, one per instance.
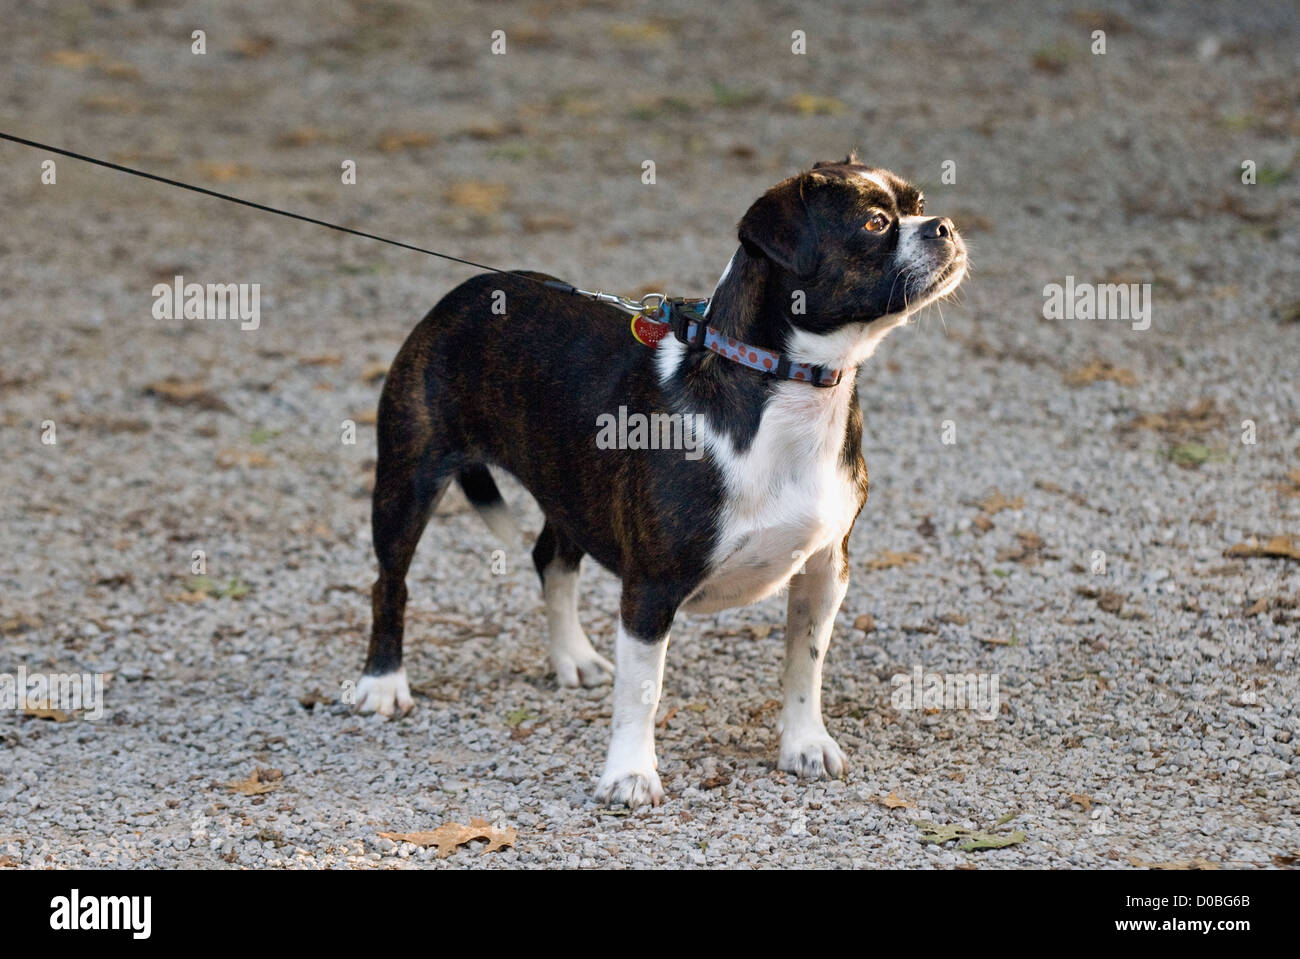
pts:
pixel 630 788
pixel 814 756
pixel 581 666
pixel 384 694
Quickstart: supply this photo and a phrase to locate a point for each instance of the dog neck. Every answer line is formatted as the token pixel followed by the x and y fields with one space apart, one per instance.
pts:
pixel 749 304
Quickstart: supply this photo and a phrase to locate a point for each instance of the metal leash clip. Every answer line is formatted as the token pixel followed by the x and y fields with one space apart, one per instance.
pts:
pixel 649 303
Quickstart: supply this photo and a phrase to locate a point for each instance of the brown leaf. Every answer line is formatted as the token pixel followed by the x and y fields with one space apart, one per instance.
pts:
pixel 1260 605
pixel 1184 864
pixel 300 137
pixel 1110 602
pixel 1180 422
pixel 982 523
pixel 866 622
pixel 374 372
pixel 895 801
pixel 367 418
pixel 259 781
pixel 322 359
pixel 715 782
pixel 73 59
pixel 814 105
pixel 404 140
pixel 996 503
pixel 181 393
pixel 1097 371
pixel 224 172
pixel 252 47
pixel 231 458
pixel 450 835
pixel 477 196
pixel 543 222
pixel 888 559
pixel 43 711
pixel 1278 547
pixel 1082 800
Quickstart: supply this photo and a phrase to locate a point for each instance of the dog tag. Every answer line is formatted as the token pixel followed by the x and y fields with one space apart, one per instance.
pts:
pixel 647 331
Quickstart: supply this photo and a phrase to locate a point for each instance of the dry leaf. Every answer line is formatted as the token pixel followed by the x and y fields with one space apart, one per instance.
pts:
pixel 254 46
pixel 259 781
pixel 866 622
pixel 230 458
pixel 180 393
pixel 889 559
pixel 996 503
pixel 477 196
pixel 895 801
pixel 374 372
pixel 368 418
pixel 224 172
pixel 541 222
pixel 1278 547
pixel 44 711
pixel 1099 370
pixel 1110 602
pixel 300 137
pixel 1082 800
pixel 72 59
pixel 109 103
pixel 1200 419
pixel 323 359
pixel 644 32
pixel 404 140
pixel 811 104
pixel 450 835
pixel 1185 864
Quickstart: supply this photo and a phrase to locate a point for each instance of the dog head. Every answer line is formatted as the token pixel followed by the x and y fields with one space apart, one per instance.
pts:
pixel 853 246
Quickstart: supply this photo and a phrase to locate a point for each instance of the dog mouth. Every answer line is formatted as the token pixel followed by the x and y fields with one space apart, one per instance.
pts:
pixel 947 278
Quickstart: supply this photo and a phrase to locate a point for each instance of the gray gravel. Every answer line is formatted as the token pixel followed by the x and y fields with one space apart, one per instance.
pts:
pixel 1149 712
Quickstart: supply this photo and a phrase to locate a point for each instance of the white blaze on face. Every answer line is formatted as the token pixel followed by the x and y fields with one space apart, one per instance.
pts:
pixel 879 181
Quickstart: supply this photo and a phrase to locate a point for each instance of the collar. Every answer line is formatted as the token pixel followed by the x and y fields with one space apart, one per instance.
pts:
pixel 685 318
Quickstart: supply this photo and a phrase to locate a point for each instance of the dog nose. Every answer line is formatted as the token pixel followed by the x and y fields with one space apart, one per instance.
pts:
pixel 937 228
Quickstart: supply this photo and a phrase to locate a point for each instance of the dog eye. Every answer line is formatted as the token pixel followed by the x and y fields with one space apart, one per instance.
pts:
pixel 878 223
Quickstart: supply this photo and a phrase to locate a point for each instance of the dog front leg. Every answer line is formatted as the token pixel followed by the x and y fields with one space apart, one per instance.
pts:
pixel 630 777
pixel 815 597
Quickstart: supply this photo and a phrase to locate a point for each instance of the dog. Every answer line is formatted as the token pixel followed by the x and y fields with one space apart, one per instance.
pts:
pixel 513 371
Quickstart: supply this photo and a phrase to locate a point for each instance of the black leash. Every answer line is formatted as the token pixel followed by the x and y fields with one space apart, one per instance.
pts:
pixel 552 284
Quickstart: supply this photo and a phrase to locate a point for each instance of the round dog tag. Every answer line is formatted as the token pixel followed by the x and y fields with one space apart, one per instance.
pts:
pixel 647 331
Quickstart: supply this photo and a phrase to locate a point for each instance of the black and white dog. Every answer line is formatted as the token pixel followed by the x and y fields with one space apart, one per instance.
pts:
pixel 829 262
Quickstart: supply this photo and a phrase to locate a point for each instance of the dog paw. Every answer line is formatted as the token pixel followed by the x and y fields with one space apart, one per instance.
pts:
pixel 385 694
pixel 630 788
pixel 581 667
pixel 812 757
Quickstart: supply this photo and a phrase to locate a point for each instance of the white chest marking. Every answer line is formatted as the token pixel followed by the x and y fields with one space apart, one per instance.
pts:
pixel 786 496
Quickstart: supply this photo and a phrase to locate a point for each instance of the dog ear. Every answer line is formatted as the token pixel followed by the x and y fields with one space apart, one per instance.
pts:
pixel 779 227
pixel 850 160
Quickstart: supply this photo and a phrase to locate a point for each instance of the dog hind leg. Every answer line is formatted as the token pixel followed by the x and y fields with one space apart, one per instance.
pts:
pixel 574 659
pixel 406 492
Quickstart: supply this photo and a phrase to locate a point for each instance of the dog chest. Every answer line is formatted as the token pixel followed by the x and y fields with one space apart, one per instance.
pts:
pixel 788 496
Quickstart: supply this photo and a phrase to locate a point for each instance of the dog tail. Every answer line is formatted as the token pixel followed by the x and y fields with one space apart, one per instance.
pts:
pixel 482 493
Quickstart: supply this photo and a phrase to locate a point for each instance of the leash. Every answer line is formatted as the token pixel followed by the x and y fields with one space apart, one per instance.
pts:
pixel 624 303
pixel 653 314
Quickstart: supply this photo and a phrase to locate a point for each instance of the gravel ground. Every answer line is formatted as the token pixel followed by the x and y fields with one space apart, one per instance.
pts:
pixel 1148 710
